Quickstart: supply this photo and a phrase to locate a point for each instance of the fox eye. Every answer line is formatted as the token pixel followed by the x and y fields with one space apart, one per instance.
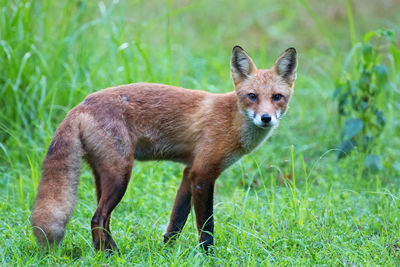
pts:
pixel 252 97
pixel 277 97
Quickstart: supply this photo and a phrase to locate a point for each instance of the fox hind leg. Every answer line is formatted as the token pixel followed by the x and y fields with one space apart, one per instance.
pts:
pixel 110 153
pixel 113 187
pixel 97 180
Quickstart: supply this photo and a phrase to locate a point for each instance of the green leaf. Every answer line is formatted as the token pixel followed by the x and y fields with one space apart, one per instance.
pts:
pixel 343 103
pixel 380 118
pixel 381 74
pixel 352 127
pixel 338 90
pixel 364 103
pixel 373 163
pixel 369 35
pixel 367 52
pixel 390 36
pixel 394 50
pixel 345 148
pixel 365 81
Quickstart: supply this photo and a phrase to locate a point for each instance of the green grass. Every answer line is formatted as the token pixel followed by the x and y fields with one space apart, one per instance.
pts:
pixel 54 53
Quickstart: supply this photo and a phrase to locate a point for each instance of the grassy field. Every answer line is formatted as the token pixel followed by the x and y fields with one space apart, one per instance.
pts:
pixel 291 202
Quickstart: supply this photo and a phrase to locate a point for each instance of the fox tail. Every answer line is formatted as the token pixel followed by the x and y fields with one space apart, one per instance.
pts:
pixel 57 189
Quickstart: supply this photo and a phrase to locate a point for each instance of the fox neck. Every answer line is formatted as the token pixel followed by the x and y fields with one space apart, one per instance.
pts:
pixel 252 135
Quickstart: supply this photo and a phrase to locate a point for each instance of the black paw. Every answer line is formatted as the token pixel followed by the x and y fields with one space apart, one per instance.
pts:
pixel 170 237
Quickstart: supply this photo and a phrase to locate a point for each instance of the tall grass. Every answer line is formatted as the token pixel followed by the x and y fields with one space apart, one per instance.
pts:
pixel 289 203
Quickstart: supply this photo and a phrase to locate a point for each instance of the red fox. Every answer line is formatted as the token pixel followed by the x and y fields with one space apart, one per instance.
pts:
pixel 206 132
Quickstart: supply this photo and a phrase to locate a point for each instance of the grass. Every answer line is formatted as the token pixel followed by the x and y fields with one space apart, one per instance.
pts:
pixel 288 203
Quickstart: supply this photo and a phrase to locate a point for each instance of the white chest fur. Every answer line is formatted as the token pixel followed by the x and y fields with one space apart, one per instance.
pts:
pixel 252 136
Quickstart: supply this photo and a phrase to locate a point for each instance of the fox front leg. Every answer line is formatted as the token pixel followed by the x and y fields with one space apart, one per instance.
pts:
pixel 181 208
pixel 202 183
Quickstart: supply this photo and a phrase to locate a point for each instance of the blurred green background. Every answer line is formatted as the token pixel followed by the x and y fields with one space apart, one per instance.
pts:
pixel 276 206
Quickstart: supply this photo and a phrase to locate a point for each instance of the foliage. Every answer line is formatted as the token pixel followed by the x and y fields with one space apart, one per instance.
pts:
pixel 363 93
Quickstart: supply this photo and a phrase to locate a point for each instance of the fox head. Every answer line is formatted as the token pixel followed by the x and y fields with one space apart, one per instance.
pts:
pixel 263 95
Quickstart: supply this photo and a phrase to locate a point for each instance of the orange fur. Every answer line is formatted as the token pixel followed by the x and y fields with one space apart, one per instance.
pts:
pixel 206 132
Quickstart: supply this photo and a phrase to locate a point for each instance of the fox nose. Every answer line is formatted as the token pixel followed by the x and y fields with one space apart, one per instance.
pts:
pixel 266 118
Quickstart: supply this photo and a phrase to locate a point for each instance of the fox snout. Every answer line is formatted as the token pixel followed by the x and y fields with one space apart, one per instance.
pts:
pixel 266 118
pixel 262 120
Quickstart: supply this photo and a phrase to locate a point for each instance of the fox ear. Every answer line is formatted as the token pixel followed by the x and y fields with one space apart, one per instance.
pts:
pixel 286 64
pixel 242 66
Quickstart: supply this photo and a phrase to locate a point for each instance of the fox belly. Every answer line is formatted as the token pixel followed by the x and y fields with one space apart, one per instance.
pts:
pixel 164 149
